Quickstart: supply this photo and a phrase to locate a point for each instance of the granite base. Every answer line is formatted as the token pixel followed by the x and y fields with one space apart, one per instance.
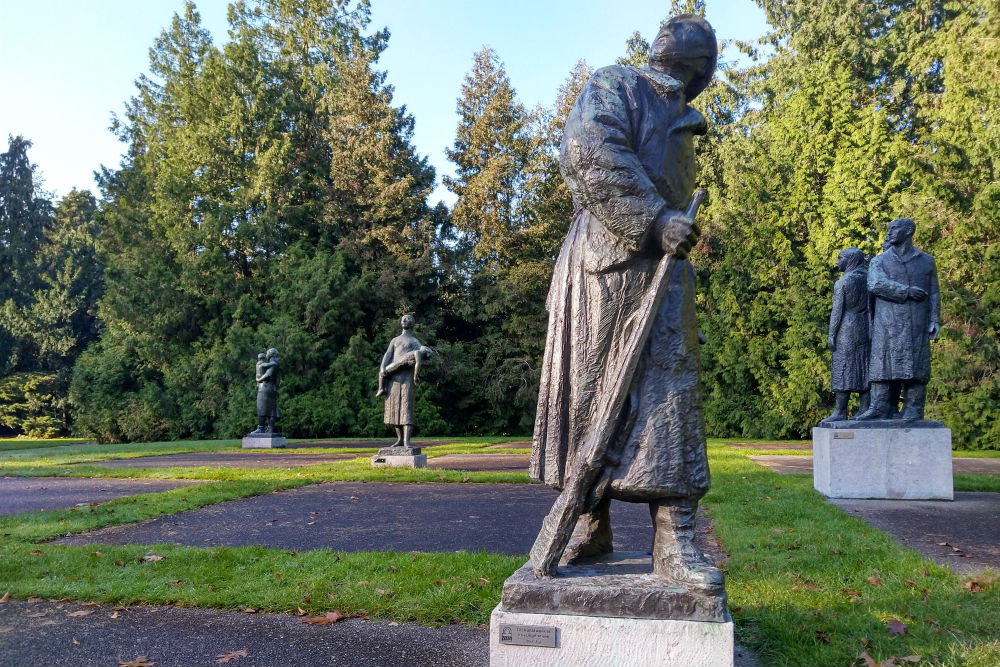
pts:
pixel 888 463
pixel 263 441
pixel 520 639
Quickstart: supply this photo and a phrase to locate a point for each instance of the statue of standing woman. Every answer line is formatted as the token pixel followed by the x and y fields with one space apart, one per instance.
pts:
pixel 398 376
pixel 849 337
pixel 267 378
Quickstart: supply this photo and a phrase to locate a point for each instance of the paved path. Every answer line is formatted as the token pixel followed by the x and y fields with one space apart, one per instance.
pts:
pixel 961 534
pixel 357 516
pixel 340 444
pixel 189 637
pixel 272 459
pixel 795 463
pixel 29 494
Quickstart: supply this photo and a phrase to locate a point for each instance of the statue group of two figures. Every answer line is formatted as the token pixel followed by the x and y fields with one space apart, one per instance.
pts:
pixel 881 325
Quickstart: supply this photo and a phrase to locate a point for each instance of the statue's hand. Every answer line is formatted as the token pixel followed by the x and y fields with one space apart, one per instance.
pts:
pixel 676 234
pixel 916 293
pixel 933 329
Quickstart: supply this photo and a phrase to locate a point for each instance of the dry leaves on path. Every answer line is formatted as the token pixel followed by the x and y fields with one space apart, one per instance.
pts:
pixel 82 612
pixel 6 596
pixel 140 661
pixel 326 619
pixel 232 655
pixel 897 627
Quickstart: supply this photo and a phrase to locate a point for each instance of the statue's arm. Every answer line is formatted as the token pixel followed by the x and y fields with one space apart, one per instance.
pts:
pixel 600 164
pixel 267 374
pixel 934 305
pixel 884 287
pixel 386 360
pixel 836 315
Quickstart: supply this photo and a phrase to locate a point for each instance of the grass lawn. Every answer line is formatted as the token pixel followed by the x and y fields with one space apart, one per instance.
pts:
pixel 11 444
pixel 808 584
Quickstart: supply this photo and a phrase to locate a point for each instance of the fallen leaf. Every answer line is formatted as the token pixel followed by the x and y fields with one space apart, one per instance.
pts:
pixel 874 581
pixel 97 553
pixel 6 596
pixel 60 599
pixel 140 661
pixel 943 544
pixel 382 591
pixel 115 615
pixel 34 599
pixel 392 568
pixel 82 612
pixel 911 582
pixel 972 586
pixel 5 629
pixel 75 642
pixel 248 610
pixel 119 563
pixel 151 558
pixel 119 609
pixel 897 627
pixel 90 604
pixel 909 658
pixel 868 659
pixel 465 479
pixel 232 655
pixel 326 619
pixel 821 636
pixel 362 583
pixel 300 612
pixel 37 614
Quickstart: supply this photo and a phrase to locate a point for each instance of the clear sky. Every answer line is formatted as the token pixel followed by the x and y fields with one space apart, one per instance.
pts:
pixel 67 65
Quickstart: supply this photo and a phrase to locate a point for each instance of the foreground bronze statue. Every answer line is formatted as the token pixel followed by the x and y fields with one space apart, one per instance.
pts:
pixel 904 286
pixel 398 376
pixel 619 408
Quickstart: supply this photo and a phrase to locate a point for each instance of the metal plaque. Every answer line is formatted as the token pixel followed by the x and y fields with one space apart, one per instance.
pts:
pixel 843 435
pixel 528 635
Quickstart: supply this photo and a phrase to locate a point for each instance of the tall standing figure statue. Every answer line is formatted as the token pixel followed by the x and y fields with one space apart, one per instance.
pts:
pixel 619 409
pixel 849 337
pixel 903 283
pixel 398 375
pixel 267 378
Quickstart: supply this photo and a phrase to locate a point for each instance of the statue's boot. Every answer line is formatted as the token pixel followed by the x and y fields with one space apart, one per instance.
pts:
pixel 913 402
pixel 676 557
pixel 840 408
pixel 592 535
pixel 879 408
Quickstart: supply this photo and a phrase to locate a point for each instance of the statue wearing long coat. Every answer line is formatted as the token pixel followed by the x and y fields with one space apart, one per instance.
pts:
pixel 900 339
pixel 627 155
pixel 849 328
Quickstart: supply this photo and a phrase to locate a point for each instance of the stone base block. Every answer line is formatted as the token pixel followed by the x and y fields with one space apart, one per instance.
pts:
pixel 399 461
pixel 889 463
pixel 621 584
pixel 601 641
pixel 264 441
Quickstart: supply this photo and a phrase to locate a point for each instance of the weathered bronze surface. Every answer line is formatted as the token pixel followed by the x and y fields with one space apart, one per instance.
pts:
pixel 619 408
pixel 398 376
pixel 267 377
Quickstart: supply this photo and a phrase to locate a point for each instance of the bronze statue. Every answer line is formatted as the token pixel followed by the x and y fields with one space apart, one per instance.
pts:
pixel 267 378
pixel 398 375
pixel 849 337
pixel 619 407
pixel 903 283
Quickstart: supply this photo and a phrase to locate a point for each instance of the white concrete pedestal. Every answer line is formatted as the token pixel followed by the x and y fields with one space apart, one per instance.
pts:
pixel 264 441
pixel 399 461
pixel 890 463
pixel 601 641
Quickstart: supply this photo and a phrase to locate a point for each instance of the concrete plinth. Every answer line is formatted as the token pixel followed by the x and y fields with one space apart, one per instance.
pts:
pixel 889 463
pixel 601 641
pixel 263 441
pixel 399 457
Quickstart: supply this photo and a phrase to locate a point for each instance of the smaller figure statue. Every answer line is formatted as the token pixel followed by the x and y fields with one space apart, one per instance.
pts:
pixel 904 287
pixel 849 337
pixel 398 375
pixel 267 378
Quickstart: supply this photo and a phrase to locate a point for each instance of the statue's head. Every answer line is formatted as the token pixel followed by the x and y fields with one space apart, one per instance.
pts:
pixel 900 231
pixel 850 258
pixel 261 356
pixel 685 48
pixel 272 353
pixel 406 322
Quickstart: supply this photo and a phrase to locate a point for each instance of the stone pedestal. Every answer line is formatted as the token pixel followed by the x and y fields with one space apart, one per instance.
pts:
pixel 614 613
pixel 903 463
pixel 263 441
pixel 399 457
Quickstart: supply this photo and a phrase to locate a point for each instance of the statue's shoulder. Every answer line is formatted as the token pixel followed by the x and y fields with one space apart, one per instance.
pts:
pixel 614 76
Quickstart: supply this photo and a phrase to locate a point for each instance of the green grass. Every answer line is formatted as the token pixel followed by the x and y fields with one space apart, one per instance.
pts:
pixel 11 444
pixel 810 585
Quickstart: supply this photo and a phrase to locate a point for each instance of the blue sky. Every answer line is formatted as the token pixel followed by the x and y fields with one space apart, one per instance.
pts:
pixel 67 65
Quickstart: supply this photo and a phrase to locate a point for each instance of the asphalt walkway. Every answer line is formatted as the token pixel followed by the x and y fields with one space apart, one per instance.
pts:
pixel 30 494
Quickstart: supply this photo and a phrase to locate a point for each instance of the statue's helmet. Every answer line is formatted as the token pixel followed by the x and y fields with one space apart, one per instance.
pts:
pixel 406 321
pixel 687 37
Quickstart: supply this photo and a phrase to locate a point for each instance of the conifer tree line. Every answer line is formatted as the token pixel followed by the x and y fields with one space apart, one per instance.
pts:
pixel 271 195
